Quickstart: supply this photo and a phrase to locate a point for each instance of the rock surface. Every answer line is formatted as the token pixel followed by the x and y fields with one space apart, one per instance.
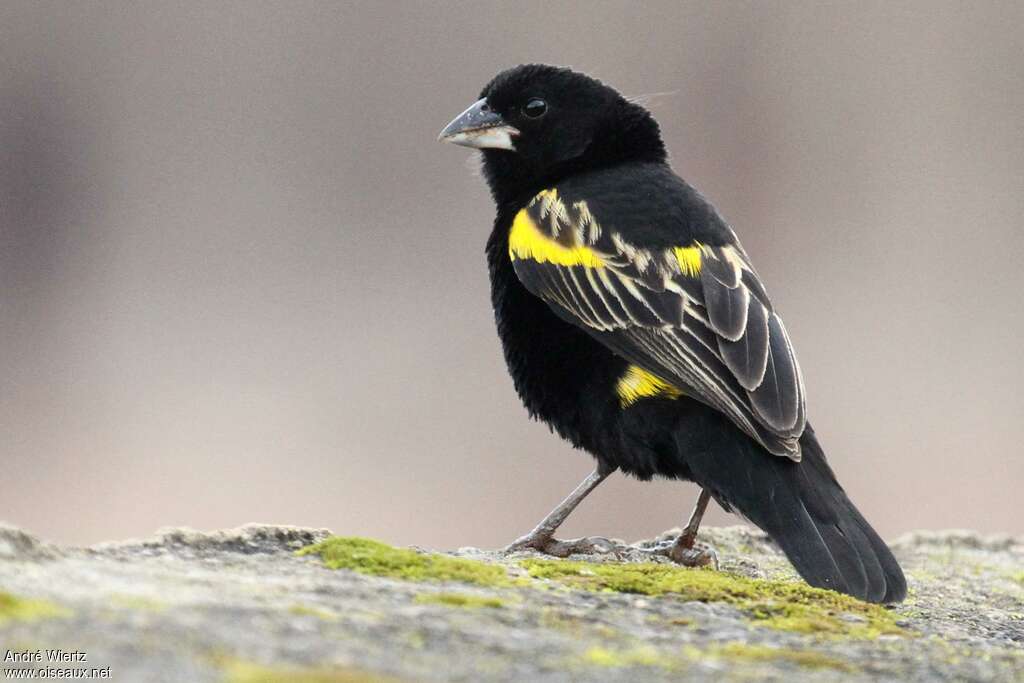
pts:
pixel 242 606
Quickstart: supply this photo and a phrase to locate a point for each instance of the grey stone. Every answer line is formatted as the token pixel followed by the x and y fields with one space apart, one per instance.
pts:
pixel 239 604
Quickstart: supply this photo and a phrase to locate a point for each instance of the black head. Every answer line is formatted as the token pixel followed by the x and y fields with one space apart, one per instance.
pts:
pixel 536 123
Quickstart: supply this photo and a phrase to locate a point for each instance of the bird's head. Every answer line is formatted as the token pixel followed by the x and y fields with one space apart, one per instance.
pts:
pixel 536 123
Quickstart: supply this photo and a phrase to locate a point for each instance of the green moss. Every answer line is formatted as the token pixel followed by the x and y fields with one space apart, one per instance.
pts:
pixel 783 605
pixel 553 618
pixel 136 602
pixel 13 608
pixel 638 656
pixel 459 600
pixel 762 653
pixel 416 640
pixel 367 556
pixel 243 672
pixel 307 611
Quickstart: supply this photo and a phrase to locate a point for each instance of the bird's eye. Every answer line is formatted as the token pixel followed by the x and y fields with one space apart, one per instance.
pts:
pixel 535 108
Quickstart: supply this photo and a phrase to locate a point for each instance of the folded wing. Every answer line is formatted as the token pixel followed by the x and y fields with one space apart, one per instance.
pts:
pixel 694 314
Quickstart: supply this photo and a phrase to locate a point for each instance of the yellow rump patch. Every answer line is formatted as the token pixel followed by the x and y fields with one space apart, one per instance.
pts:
pixel 689 259
pixel 637 383
pixel 527 241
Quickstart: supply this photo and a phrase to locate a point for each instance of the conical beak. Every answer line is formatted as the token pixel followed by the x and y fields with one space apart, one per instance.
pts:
pixel 480 127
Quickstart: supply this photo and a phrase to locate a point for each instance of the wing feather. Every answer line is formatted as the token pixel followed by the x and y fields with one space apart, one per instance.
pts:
pixel 779 398
pixel 695 315
pixel 726 307
pixel 747 357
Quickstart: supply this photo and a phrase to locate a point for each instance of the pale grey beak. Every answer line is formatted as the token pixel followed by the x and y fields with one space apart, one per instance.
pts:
pixel 480 127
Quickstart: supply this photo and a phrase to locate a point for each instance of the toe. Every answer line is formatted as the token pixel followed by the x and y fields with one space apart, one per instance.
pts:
pixel 695 557
pixel 528 542
pixel 582 546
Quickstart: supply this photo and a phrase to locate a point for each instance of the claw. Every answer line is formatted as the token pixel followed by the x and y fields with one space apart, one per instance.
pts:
pixel 701 556
pixel 528 542
pixel 681 551
pixel 552 546
pixel 695 555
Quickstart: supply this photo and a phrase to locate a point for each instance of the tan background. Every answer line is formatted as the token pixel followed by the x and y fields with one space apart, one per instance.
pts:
pixel 240 281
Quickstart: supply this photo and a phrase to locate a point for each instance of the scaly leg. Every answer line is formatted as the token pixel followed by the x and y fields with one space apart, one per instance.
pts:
pixel 683 550
pixel 542 537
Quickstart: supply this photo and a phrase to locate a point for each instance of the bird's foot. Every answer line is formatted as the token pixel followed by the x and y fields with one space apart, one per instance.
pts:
pixel 588 545
pixel 688 554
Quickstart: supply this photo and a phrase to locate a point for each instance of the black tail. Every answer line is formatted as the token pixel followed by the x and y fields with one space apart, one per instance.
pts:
pixel 806 512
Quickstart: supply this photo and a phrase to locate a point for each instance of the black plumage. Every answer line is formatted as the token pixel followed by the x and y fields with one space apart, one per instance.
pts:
pixel 634 324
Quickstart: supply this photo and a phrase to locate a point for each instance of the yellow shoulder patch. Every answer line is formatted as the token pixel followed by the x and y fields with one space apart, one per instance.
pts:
pixel 527 241
pixel 636 383
pixel 689 259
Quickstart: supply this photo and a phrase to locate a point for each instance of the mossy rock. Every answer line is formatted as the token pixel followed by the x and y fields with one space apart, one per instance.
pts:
pixel 462 600
pixel 14 608
pixel 245 609
pixel 244 672
pixel 368 556
pixel 809 659
pixel 782 605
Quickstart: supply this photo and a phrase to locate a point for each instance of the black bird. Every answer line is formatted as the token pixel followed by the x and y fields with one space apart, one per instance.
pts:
pixel 635 325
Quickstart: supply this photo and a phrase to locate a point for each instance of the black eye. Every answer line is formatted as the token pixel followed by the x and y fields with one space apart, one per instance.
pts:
pixel 535 108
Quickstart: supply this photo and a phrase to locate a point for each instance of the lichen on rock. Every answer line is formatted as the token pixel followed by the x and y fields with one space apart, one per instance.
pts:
pixel 462 600
pixel 810 659
pixel 15 608
pixel 779 604
pixel 246 672
pixel 368 556
pixel 241 606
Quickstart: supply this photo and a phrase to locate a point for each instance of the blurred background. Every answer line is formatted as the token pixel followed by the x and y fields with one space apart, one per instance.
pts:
pixel 241 281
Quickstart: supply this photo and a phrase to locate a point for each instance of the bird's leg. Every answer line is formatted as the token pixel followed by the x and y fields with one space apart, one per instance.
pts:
pixel 689 535
pixel 542 537
pixel 683 550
